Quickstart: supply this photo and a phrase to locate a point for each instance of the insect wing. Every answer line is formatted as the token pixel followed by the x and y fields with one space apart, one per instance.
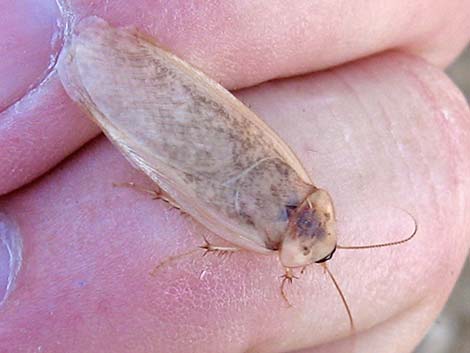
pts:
pixel 214 157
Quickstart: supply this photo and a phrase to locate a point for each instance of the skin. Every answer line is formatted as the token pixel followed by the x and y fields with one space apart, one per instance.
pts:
pixel 378 133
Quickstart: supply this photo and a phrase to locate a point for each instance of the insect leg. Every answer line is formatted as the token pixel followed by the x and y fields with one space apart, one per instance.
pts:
pixel 157 193
pixel 287 277
pixel 169 260
pixel 208 247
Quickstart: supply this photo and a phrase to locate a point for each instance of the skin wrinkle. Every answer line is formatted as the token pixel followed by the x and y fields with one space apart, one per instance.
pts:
pixel 426 163
pixel 338 74
pixel 433 190
pixel 431 98
pixel 391 125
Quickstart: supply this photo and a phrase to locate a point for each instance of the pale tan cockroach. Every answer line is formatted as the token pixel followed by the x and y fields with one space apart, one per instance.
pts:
pixel 207 152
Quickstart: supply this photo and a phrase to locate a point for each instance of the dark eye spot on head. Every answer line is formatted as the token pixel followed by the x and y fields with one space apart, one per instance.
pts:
pixel 327 257
pixel 305 250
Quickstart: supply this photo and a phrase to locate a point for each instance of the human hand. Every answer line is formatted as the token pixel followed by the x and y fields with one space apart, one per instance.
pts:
pixel 378 133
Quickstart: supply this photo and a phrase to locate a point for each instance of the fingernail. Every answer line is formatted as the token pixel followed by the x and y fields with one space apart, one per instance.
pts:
pixel 10 256
pixel 30 41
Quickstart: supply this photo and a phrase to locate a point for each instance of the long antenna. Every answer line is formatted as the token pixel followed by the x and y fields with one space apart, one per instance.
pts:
pixel 343 298
pixel 383 244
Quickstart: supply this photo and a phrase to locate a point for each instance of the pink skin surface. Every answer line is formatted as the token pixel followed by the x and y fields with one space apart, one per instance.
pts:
pixel 380 134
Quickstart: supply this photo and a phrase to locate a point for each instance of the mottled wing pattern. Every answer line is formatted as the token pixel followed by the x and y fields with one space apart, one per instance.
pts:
pixel 209 152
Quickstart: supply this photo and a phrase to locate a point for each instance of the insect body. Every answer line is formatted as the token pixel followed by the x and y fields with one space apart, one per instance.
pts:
pixel 214 157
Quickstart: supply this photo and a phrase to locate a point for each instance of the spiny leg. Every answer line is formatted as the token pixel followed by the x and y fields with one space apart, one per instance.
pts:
pixel 157 193
pixel 169 260
pixel 207 246
pixel 218 249
pixel 130 184
pixel 287 277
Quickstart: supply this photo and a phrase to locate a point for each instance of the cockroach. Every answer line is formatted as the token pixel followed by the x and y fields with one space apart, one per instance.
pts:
pixel 209 154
